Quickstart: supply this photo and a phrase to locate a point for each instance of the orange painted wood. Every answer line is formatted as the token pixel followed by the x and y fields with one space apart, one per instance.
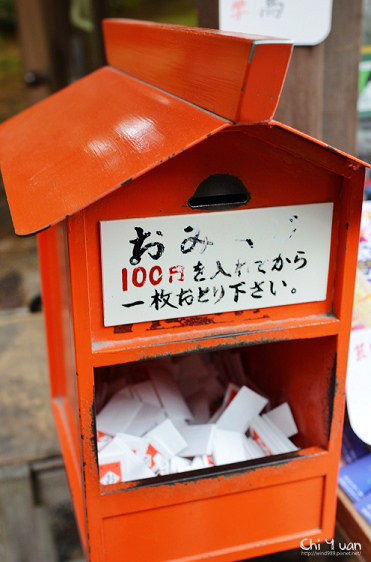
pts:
pixel 85 141
pixel 221 534
pixel 301 354
pixel 57 309
pixel 236 76
pixel 269 173
pixel 263 83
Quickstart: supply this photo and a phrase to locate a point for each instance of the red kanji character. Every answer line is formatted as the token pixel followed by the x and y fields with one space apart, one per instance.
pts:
pixel 237 9
pixel 360 351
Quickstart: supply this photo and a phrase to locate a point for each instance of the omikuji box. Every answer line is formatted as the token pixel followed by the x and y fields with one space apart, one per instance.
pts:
pixel 181 228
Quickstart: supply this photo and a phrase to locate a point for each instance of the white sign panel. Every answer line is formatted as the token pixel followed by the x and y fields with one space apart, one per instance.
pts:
pixel 304 22
pixel 176 266
pixel 359 383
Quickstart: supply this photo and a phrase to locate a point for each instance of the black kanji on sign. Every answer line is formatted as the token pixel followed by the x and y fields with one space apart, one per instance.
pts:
pixel 199 272
pixel 299 258
pixel 237 290
pixel 139 249
pixel 220 269
pixel 189 244
pixel 161 299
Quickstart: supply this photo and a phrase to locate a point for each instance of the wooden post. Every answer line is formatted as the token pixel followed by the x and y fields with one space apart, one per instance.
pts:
pixel 341 61
pixel 58 32
pixel 208 13
pixel 321 89
pixel 34 45
pixel 301 102
pixel 53 48
pixel 100 11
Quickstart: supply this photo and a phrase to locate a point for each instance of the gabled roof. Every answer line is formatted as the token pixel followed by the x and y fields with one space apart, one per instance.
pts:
pixel 166 89
pixel 84 142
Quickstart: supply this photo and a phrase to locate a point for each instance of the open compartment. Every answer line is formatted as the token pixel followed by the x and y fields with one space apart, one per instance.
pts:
pixel 205 411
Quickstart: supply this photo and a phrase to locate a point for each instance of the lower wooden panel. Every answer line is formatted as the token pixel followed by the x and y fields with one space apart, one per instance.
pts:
pixel 229 527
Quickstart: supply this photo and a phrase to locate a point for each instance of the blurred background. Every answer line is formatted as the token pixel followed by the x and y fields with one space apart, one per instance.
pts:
pixel 46 45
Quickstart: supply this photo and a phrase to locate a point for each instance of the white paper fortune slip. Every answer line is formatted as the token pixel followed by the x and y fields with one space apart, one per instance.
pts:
pixel 159 268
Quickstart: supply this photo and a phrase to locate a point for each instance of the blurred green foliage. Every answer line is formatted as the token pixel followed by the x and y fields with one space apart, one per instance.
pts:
pixel 117 6
pixel 172 11
pixel 7 15
pixel 166 11
pixel 12 87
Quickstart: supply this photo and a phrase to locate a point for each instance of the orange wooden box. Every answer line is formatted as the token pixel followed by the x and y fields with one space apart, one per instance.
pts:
pixel 133 140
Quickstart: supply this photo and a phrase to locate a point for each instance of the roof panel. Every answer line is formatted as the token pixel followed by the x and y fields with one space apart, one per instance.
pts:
pixel 83 142
pixel 208 67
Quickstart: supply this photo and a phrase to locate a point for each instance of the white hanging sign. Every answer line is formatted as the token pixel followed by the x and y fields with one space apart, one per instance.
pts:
pixel 358 386
pixel 195 264
pixel 304 22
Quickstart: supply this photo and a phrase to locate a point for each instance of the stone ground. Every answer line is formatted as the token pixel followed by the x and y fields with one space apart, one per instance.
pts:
pixel 27 432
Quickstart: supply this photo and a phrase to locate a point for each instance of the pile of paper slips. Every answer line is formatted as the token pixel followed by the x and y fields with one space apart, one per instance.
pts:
pixel 167 422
